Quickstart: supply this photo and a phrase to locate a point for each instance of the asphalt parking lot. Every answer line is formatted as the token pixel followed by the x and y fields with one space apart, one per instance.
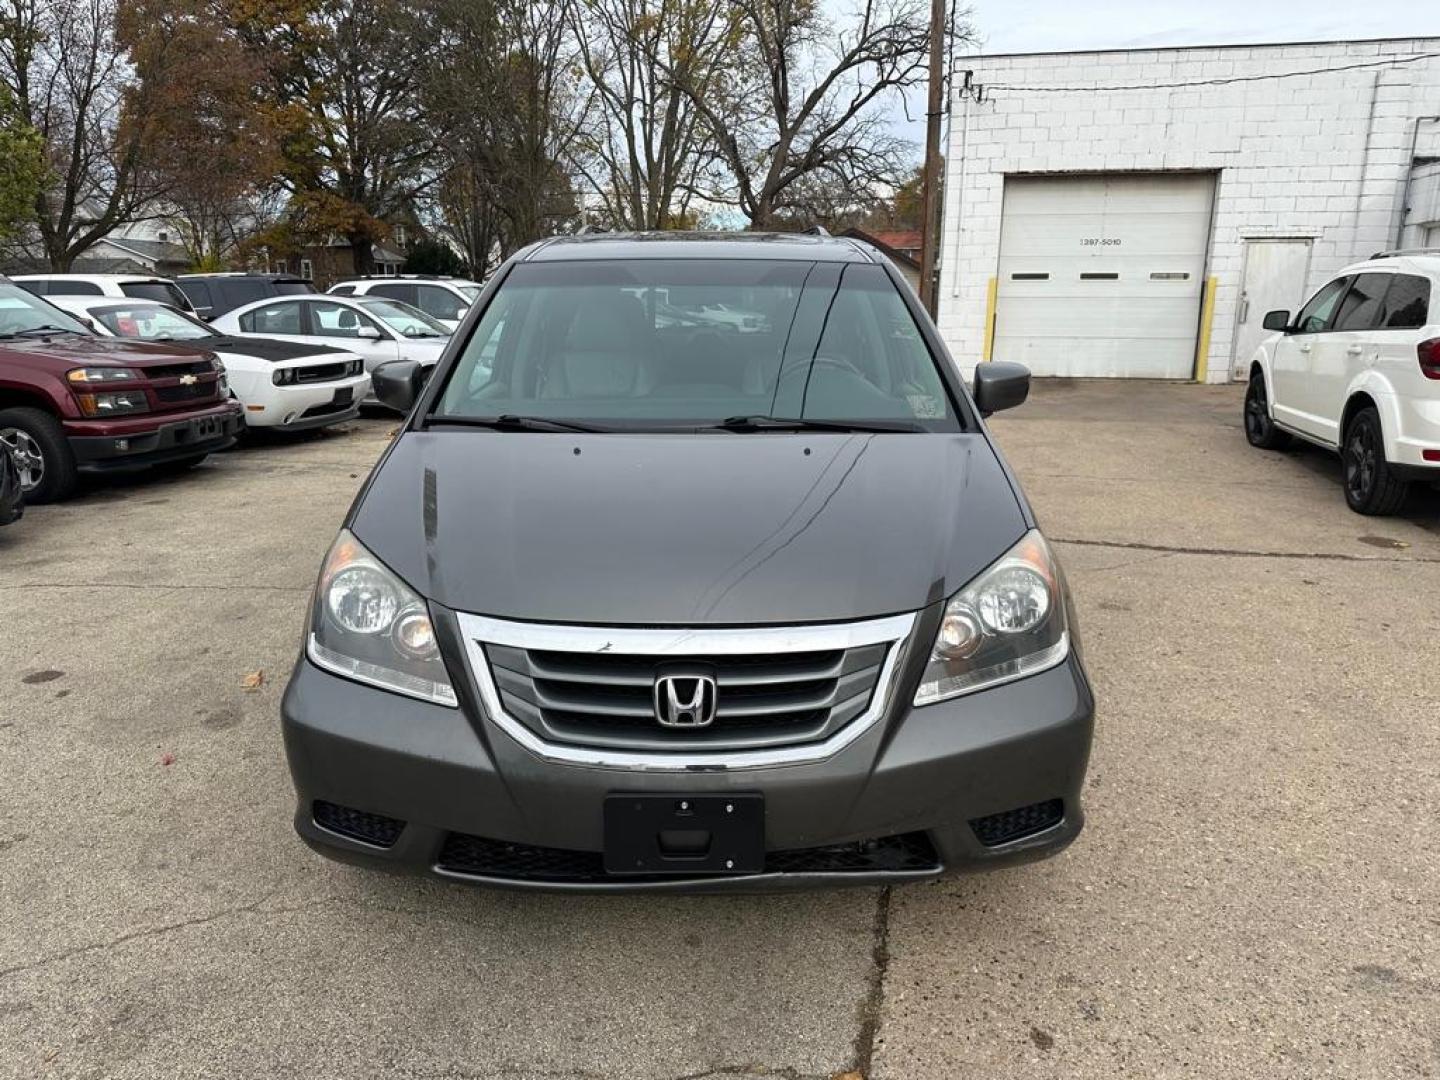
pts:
pixel 1257 892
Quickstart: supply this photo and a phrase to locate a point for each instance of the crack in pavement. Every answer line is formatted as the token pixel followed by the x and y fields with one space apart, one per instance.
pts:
pixel 167 928
pixel 1243 553
pixel 869 1011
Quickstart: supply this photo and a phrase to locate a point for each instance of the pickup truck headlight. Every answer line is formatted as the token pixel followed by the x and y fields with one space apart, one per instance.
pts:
pixel 101 375
pixel 1007 623
pixel 121 404
pixel 368 625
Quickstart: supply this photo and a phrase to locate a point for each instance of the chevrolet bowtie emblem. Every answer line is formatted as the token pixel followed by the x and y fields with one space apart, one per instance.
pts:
pixel 188 380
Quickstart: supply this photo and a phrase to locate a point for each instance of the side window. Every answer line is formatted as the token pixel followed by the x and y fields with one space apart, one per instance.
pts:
pixel 198 292
pixel 1360 310
pixel 67 287
pixel 439 302
pixel 336 320
pixel 273 319
pixel 1407 304
pixel 1315 316
pixel 343 290
pixel 35 288
pixel 404 293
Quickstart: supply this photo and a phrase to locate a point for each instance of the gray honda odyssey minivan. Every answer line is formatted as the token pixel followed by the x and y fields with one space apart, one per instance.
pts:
pixel 693 567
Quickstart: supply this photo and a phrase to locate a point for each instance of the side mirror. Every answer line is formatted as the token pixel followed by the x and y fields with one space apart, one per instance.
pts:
pixel 1277 320
pixel 399 382
pixel 1000 385
pixel 204 313
pixel 369 333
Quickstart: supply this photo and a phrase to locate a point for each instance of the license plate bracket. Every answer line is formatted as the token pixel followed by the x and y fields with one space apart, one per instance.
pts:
pixel 684 834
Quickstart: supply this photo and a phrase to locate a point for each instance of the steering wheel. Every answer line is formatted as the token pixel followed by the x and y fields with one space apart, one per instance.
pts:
pixel 838 363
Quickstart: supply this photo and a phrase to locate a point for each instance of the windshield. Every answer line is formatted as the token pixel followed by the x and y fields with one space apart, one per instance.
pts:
pixel 655 343
pixel 150 322
pixel 163 291
pixel 404 319
pixel 20 313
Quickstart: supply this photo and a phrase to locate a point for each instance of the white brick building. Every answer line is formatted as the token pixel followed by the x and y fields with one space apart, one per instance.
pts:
pixel 1135 213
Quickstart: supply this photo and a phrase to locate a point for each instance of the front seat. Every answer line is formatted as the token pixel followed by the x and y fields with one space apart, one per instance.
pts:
pixel 608 351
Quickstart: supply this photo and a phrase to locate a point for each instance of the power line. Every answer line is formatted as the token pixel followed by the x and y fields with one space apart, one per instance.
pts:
pixel 1222 81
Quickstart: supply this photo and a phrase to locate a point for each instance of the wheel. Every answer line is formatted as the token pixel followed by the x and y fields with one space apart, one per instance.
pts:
pixel 1260 430
pixel 44 458
pixel 1370 486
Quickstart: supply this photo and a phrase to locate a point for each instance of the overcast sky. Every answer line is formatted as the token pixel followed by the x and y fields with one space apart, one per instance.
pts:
pixel 1053 25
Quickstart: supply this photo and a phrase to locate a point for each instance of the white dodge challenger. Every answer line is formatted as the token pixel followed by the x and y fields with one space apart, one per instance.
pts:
pixel 282 384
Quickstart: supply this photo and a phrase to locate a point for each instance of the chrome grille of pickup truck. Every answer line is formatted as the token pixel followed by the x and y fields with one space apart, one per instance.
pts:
pixel 594 690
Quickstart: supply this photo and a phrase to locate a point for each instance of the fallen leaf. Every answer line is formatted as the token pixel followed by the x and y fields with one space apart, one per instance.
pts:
pixel 253 681
pixel 394 432
pixel 854 1074
pixel 167 758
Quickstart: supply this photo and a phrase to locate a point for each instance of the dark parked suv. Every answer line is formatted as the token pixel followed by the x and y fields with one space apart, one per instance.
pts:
pixel 71 402
pixel 215 294
pixel 641 598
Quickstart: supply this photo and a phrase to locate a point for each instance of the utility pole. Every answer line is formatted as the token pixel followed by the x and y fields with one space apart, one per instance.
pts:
pixel 930 227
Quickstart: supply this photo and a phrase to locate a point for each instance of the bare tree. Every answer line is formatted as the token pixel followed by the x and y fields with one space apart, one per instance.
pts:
pixel 645 146
pixel 502 92
pixel 803 111
pixel 70 78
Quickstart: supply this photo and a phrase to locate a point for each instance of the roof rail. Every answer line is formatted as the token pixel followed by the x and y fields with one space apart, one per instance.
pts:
pixel 1397 252
pixel 815 230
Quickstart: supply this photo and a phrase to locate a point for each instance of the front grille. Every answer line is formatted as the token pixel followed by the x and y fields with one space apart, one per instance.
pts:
pixel 368 828
pixel 1019 823
pixel 480 857
pixel 321 372
pixel 171 395
pixel 174 371
pixel 762 699
pixel 327 408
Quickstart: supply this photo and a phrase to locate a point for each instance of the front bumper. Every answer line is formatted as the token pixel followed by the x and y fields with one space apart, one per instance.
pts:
pixel 304 406
pixel 932 776
pixel 155 444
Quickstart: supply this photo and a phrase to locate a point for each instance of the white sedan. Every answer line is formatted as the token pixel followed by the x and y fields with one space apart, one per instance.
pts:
pixel 282 384
pixel 379 330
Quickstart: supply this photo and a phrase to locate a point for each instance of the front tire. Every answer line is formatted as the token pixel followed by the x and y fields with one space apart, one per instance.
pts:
pixel 1370 487
pixel 1260 429
pixel 46 462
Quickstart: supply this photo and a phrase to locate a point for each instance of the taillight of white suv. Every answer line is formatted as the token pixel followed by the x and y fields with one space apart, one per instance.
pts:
pixel 1429 358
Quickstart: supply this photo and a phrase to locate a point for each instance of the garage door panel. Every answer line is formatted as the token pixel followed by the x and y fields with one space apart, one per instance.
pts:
pixel 1103 275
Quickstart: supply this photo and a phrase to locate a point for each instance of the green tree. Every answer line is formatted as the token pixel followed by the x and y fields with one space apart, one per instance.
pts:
pixel 429 256
pixel 22 168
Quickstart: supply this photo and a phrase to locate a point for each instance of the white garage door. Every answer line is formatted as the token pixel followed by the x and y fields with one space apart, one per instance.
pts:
pixel 1102 275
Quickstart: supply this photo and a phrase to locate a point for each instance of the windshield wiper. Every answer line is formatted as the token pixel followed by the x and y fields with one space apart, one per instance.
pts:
pixel 512 422
pixel 781 423
pixel 41 331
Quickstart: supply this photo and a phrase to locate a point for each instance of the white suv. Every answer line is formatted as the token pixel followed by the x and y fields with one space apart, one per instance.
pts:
pixel 1358 372
pixel 129 286
pixel 445 299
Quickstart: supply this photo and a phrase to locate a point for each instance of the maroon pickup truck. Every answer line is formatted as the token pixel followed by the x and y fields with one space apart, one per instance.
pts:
pixel 71 402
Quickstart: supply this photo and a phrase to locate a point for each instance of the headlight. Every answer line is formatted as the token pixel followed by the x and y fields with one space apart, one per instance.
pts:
pixel 370 626
pixel 101 375
pixel 283 376
pixel 99 405
pixel 1007 623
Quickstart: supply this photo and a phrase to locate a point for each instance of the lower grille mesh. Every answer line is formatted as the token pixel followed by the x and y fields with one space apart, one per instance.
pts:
pixel 1016 824
pixel 480 857
pixel 374 829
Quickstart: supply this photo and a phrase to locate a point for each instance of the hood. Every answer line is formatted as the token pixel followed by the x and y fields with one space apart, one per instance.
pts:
pixel 737 529
pixel 72 349
pixel 272 349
